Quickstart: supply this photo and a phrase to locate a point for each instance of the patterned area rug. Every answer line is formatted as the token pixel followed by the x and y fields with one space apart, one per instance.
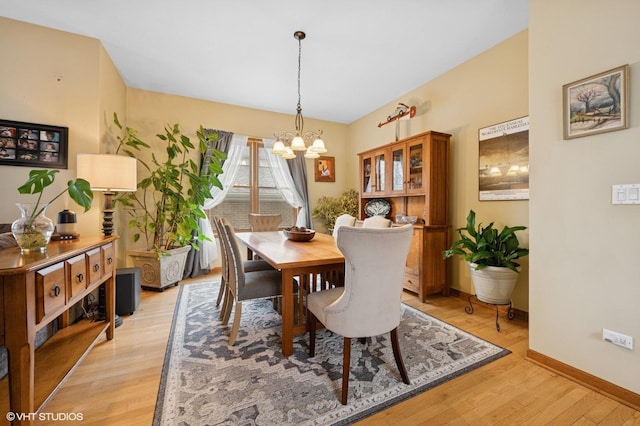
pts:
pixel 205 381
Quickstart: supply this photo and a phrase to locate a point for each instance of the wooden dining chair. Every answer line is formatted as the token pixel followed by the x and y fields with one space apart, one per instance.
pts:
pixel 261 222
pixel 369 303
pixel 244 285
pixel 376 222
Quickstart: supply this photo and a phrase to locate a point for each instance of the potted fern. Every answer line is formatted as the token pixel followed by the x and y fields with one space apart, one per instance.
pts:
pixel 165 210
pixel 491 257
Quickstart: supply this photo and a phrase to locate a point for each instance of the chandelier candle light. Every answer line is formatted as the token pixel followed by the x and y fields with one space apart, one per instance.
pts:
pixel 296 140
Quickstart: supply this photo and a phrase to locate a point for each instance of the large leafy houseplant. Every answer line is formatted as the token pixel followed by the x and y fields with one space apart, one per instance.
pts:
pixel 167 206
pixel 485 246
pixel 329 208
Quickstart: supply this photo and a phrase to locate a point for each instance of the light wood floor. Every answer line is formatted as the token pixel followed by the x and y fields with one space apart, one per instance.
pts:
pixel 117 383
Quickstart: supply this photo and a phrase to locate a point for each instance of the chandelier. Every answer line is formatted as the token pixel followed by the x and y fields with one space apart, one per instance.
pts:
pixel 288 142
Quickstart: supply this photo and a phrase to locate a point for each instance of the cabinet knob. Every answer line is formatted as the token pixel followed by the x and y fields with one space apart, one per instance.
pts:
pixel 80 277
pixel 55 290
pixel 96 267
pixel 109 260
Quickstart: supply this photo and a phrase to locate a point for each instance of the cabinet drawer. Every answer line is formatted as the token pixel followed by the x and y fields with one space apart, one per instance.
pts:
pixel 108 261
pixel 411 283
pixel 94 265
pixel 50 291
pixel 77 275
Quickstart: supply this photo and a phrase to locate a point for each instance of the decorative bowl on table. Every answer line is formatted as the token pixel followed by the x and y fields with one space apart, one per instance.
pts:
pixel 299 233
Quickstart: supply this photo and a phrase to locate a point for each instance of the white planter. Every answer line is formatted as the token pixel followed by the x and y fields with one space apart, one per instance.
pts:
pixel 493 284
pixel 160 273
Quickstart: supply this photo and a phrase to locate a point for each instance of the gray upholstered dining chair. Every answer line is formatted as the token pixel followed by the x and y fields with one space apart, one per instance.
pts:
pixel 343 220
pixel 224 296
pixel 262 222
pixel 244 285
pixel 369 304
pixel 376 222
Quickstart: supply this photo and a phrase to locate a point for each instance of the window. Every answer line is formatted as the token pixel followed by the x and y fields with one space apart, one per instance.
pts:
pixel 264 196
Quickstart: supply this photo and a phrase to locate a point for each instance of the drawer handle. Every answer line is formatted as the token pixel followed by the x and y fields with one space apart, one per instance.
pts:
pixel 55 291
pixel 80 277
pixel 96 267
pixel 109 260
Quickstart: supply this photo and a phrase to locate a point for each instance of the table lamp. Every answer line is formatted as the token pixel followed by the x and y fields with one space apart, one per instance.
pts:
pixel 109 173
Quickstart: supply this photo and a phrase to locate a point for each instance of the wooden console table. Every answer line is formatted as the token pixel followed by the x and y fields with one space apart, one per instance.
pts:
pixel 38 288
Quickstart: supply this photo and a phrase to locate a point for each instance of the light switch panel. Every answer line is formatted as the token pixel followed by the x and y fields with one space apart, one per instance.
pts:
pixel 626 194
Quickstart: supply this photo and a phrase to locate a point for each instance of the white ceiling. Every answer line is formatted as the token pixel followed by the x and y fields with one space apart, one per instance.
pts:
pixel 358 54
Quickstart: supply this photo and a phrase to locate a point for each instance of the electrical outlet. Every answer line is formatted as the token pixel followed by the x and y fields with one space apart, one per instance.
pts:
pixel 617 338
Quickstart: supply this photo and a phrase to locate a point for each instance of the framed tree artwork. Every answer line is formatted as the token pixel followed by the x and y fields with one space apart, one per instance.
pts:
pixel 596 104
pixel 325 170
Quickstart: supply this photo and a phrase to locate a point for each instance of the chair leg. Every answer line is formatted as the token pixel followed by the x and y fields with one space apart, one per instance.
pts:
pixel 221 292
pixel 398 356
pixel 236 324
pixel 312 334
pixel 346 361
pixel 227 305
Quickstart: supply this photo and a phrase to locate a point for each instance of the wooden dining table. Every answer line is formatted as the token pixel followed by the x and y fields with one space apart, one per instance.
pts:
pixel 312 265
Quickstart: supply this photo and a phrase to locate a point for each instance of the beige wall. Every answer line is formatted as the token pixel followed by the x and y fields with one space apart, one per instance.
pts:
pixel 150 111
pixel 488 89
pixel 585 251
pixel 60 79
pixel 573 224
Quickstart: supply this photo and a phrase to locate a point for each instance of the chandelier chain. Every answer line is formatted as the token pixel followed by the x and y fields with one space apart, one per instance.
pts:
pixel 297 141
pixel 299 119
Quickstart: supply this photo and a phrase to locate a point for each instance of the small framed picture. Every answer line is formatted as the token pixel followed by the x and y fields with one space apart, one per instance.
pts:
pixel 33 145
pixel 325 170
pixel 596 104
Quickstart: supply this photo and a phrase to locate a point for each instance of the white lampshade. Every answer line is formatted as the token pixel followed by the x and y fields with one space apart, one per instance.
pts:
pixel 311 153
pixel 297 144
pixel 108 172
pixel 318 146
pixel 289 154
pixel 278 148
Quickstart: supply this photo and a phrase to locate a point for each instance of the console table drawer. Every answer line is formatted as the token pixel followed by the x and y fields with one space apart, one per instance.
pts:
pixel 77 275
pixel 94 265
pixel 107 258
pixel 50 291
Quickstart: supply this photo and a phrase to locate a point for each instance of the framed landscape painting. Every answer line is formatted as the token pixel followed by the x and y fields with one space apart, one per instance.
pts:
pixel 503 157
pixel 596 104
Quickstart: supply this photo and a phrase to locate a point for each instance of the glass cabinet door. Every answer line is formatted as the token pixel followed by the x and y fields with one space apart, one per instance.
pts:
pixel 367 176
pixel 397 169
pixel 415 167
pixel 380 165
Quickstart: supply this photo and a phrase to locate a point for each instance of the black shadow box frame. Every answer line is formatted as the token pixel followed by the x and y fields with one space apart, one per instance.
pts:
pixel 33 145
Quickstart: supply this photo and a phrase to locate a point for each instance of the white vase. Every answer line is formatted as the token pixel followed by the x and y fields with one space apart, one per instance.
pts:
pixel 493 284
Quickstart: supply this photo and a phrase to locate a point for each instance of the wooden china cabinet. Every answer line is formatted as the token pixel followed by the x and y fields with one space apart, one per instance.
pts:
pixel 411 176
